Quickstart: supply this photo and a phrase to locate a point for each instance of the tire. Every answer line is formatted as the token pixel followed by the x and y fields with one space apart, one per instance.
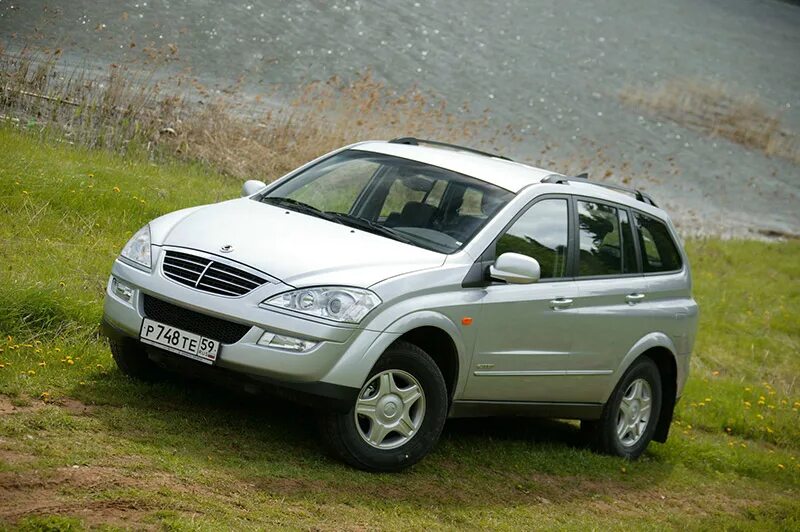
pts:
pixel 347 433
pixel 616 432
pixel 132 360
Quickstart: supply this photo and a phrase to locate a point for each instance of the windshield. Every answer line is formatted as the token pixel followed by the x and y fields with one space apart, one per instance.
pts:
pixel 413 202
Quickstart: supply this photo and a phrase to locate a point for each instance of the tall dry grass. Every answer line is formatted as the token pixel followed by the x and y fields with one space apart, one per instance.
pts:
pixel 714 109
pixel 235 132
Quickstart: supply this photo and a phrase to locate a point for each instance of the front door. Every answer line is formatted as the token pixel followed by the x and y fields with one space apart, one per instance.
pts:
pixel 525 332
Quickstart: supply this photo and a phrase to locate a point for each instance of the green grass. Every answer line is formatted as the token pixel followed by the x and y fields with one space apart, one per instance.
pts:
pixel 83 446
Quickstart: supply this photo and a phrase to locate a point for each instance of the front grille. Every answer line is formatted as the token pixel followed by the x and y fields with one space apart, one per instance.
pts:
pixel 208 275
pixel 223 331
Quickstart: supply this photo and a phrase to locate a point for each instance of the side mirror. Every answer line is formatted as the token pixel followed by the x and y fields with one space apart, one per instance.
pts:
pixel 515 268
pixel 252 186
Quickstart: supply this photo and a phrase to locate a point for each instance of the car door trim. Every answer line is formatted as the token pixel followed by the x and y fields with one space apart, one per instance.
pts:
pixel 542 373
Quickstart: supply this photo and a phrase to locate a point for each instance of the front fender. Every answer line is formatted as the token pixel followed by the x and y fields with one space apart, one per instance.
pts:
pixel 356 363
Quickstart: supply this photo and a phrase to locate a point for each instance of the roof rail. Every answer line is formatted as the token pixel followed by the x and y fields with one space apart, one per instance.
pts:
pixel 584 178
pixel 416 142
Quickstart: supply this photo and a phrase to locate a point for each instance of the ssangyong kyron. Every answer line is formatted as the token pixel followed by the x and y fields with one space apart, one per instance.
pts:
pixel 396 284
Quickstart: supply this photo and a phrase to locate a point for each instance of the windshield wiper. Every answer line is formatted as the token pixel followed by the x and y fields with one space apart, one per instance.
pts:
pixel 298 206
pixel 369 225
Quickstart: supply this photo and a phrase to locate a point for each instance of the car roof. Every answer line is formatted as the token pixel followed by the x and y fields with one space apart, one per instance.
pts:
pixel 506 174
pixel 503 173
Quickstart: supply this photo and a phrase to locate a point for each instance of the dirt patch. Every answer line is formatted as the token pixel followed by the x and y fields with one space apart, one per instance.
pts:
pixel 7 406
pixel 75 407
pixel 57 492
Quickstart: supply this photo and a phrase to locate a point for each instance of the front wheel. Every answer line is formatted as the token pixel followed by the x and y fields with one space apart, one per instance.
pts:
pixel 630 417
pixel 398 415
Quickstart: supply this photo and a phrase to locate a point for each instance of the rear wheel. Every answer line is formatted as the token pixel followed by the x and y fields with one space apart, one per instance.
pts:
pixel 398 415
pixel 630 417
pixel 132 360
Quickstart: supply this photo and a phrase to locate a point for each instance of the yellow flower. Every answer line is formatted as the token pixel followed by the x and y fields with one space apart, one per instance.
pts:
pixel 781 466
pixel 2 366
pixel 42 364
pixel 58 349
pixel 70 361
pixel 769 430
pixel 91 175
pixel 708 399
pixel 747 404
pixel 25 192
pixel 759 416
pixel 31 372
pixel 747 389
pixel 115 189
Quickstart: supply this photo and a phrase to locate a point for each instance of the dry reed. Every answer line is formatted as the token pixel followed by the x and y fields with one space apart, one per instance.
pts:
pixel 713 109
pixel 236 134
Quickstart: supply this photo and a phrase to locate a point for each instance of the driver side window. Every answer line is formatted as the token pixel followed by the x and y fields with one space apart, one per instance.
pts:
pixel 541 233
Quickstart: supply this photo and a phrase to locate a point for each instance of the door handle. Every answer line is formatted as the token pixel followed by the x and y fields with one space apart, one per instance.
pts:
pixel 560 303
pixel 632 299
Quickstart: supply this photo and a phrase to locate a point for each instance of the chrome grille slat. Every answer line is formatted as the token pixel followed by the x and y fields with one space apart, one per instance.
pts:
pixel 200 261
pixel 196 273
pixel 215 289
pixel 191 282
pixel 217 270
pixel 184 263
pixel 208 275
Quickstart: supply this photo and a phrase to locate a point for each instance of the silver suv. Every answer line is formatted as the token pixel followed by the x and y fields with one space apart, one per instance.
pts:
pixel 396 284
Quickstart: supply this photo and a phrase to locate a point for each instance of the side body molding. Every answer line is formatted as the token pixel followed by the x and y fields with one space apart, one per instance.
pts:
pixel 352 369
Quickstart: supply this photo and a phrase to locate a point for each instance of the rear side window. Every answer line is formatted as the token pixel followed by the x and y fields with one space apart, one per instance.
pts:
pixel 606 241
pixel 659 251
pixel 541 233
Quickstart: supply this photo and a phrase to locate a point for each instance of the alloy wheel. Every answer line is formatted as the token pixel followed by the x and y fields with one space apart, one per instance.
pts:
pixel 390 409
pixel 634 412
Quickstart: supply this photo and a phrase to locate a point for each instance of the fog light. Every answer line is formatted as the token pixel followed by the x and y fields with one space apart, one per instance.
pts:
pixel 288 343
pixel 121 290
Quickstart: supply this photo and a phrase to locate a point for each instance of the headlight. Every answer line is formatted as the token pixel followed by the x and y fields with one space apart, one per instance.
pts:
pixel 138 247
pixel 338 303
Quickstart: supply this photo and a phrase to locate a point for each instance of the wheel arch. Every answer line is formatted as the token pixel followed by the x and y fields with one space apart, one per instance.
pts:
pixel 431 331
pixel 661 350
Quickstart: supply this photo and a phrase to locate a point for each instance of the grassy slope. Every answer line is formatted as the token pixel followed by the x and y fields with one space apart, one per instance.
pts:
pixel 79 443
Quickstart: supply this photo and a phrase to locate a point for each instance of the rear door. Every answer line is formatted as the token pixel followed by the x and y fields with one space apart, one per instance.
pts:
pixel 525 331
pixel 610 315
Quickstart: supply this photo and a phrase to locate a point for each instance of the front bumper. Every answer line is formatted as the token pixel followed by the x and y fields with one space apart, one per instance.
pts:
pixel 297 372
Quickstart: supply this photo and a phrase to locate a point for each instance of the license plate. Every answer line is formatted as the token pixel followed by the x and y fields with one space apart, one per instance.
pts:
pixel 179 341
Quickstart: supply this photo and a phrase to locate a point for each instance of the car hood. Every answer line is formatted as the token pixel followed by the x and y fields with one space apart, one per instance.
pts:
pixel 298 249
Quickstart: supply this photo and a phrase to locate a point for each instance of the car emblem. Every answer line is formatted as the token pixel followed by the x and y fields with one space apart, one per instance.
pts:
pixel 227 248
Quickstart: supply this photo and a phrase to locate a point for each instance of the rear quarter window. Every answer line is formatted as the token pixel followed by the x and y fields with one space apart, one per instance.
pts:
pixel 659 251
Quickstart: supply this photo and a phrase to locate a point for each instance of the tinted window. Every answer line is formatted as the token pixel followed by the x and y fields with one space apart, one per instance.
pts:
pixel 659 252
pixel 605 242
pixel 541 233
